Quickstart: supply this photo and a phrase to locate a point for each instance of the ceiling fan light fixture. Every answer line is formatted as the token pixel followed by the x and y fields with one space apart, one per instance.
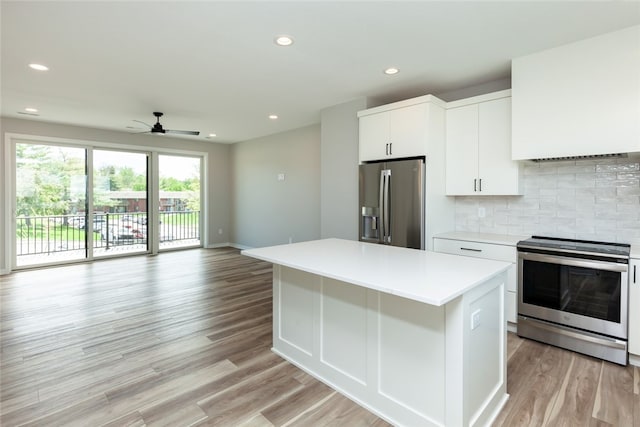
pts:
pixel 38 67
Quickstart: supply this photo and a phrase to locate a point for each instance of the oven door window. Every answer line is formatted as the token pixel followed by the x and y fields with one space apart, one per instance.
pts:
pixel 585 291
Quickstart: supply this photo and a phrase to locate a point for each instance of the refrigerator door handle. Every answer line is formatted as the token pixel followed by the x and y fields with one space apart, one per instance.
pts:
pixel 385 177
pixel 381 207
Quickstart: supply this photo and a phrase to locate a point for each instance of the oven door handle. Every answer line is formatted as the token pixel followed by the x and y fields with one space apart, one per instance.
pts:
pixel 574 262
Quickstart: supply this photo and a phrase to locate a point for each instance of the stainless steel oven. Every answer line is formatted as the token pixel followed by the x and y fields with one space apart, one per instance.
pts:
pixel 574 294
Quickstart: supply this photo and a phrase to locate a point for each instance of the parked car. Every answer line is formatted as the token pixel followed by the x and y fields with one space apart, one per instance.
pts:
pixel 123 232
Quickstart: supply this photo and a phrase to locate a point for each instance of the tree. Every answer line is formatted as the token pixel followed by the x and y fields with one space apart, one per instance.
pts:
pixel 49 180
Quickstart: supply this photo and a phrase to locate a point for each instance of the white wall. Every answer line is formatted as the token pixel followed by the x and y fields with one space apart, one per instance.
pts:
pixel 217 179
pixel 339 170
pixel 267 211
pixel 582 199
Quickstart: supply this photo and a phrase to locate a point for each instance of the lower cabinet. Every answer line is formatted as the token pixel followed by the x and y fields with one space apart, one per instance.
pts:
pixel 634 306
pixel 498 252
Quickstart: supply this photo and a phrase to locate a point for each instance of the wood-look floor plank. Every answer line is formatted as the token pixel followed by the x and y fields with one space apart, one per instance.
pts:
pixel 302 400
pixel 614 396
pixel 237 405
pixel 184 338
pixel 533 404
pixel 520 371
pixel 577 393
pixel 338 411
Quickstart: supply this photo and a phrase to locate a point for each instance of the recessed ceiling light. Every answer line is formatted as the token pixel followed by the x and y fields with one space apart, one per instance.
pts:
pixel 284 40
pixel 39 67
pixel 31 110
pixel 273 117
pixel 211 135
pixel 391 71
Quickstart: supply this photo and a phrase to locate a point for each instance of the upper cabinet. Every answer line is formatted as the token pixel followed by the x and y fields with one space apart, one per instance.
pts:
pixel 478 159
pixel 397 130
pixel 578 99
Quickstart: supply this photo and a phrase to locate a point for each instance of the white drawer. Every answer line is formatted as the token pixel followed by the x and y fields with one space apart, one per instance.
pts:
pixel 476 249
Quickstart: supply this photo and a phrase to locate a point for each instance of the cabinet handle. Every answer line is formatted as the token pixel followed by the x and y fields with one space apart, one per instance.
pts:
pixel 386 149
pixel 471 249
pixel 475 184
pixel 634 273
pixel 480 186
pixel 391 148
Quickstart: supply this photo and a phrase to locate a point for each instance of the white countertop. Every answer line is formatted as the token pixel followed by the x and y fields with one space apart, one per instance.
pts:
pixel 498 239
pixel 429 277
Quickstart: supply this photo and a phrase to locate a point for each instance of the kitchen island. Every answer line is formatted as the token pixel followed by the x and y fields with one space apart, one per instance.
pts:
pixel 418 338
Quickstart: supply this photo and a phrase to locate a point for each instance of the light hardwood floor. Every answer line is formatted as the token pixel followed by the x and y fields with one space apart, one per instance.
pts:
pixel 183 338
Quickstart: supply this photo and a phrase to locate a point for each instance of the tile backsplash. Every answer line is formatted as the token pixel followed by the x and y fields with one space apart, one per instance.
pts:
pixel 581 199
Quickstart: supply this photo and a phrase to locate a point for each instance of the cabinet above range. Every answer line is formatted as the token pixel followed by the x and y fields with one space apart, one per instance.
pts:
pixel 479 147
pixel 401 129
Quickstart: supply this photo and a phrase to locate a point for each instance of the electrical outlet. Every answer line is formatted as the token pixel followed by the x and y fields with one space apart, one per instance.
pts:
pixel 219 230
pixel 481 212
pixel 475 319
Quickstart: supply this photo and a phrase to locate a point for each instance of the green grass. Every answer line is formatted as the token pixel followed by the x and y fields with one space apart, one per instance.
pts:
pixel 52 232
pixel 190 218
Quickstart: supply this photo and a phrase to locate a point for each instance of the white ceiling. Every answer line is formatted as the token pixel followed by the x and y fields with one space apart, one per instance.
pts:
pixel 213 66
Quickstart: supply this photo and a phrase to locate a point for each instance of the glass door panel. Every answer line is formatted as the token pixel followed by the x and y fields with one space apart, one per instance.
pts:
pixel 50 204
pixel 179 201
pixel 119 203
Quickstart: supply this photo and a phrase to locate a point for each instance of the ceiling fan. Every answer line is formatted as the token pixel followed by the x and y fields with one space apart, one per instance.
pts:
pixel 157 127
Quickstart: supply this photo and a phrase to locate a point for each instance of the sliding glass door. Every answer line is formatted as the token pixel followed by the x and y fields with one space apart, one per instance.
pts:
pixel 179 201
pixel 76 203
pixel 120 220
pixel 50 204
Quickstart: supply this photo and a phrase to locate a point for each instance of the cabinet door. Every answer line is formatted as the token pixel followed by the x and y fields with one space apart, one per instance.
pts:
pixel 634 307
pixel 374 136
pixel 498 173
pixel 407 131
pixel 462 150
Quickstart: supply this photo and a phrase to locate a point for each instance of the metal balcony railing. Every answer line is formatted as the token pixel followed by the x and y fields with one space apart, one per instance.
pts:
pixel 61 233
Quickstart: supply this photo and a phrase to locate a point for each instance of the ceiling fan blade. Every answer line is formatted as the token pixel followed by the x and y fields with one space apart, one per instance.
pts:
pixel 146 124
pixel 183 132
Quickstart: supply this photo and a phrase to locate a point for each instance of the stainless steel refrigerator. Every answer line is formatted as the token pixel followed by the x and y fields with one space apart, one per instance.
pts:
pixel 392 203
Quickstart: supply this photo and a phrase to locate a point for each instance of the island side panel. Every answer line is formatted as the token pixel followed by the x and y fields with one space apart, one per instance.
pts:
pixel 410 359
pixel 382 351
pixel 294 301
pixel 343 329
pixel 476 354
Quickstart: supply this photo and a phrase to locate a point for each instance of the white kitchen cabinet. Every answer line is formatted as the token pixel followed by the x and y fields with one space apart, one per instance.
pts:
pixel 479 147
pixel 634 307
pixel 396 130
pixel 487 246
pixel 578 99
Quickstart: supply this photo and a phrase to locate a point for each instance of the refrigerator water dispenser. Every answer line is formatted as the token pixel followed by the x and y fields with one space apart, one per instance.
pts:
pixel 370 223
